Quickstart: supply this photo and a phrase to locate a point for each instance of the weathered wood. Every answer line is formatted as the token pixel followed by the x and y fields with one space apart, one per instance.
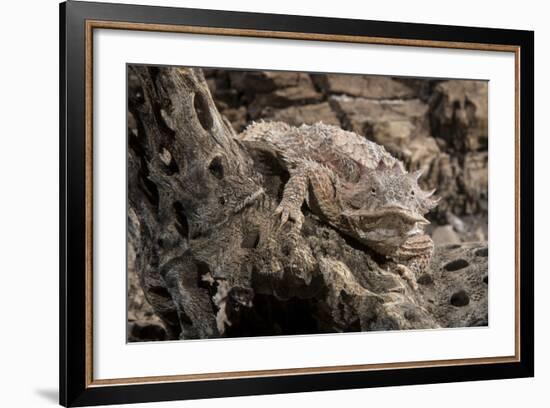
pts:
pixel 211 255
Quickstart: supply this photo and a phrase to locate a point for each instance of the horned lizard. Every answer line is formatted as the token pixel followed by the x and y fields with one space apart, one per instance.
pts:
pixel 352 184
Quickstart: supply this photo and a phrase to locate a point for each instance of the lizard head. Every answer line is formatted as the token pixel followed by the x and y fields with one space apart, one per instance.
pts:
pixel 386 205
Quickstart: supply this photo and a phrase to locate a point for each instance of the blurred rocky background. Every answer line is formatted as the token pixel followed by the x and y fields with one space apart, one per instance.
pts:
pixel 439 126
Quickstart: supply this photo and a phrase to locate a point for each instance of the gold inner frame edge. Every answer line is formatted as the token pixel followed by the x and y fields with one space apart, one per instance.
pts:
pixel 119 25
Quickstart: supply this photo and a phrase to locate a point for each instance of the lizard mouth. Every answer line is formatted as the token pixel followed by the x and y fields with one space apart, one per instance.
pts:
pixel 395 213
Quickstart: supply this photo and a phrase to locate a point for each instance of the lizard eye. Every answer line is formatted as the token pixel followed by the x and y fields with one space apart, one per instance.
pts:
pixel 412 192
pixel 373 190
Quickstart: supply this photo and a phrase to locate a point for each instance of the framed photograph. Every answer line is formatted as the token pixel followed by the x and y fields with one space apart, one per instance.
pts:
pixel 255 203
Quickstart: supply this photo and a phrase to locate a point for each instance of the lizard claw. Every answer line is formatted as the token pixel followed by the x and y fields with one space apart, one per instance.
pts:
pixel 288 213
pixel 407 275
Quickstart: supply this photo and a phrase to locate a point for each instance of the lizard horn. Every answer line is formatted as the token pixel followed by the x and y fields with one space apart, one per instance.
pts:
pixel 416 174
pixel 431 203
pixel 429 193
pixel 397 168
pixel 381 165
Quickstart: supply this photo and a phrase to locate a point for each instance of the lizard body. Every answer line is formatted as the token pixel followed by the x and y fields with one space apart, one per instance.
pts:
pixel 353 184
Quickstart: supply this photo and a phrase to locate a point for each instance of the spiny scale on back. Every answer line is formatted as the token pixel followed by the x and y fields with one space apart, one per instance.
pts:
pixel 324 144
pixel 355 185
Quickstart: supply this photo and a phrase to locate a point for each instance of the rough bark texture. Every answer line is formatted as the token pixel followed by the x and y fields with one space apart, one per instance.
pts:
pixel 209 253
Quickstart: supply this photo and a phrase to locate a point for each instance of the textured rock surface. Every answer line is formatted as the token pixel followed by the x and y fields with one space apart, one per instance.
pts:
pixel 436 125
pixel 445 235
pixel 209 254
pixel 143 323
pixel 456 292
pixel 298 115
pixel 458 115
pixel 374 87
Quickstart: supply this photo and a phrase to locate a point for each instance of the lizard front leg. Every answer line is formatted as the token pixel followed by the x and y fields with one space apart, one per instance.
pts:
pixel 294 194
pixel 414 257
pixel 321 197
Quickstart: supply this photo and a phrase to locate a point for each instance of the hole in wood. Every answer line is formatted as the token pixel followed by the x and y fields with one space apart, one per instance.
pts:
pixel 200 103
pixel 216 167
pixel 182 225
pixel 460 298
pixel 456 265
pixel 251 239
pixel 482 252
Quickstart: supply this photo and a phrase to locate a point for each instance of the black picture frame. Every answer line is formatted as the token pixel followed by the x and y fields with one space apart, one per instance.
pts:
pixel 75 386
